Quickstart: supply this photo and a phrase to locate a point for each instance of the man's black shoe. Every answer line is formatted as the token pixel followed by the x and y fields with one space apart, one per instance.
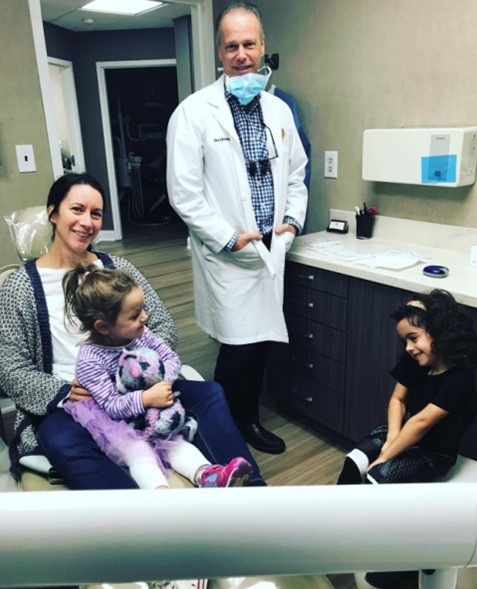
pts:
pixel 261 439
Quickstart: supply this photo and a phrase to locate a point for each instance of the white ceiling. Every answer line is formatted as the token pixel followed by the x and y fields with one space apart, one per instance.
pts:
pixel 65 14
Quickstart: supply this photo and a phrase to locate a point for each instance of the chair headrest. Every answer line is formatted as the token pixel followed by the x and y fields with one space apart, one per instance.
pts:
pixel 30 231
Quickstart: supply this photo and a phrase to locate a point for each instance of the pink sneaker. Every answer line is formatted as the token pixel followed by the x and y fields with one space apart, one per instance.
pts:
pixel 236 473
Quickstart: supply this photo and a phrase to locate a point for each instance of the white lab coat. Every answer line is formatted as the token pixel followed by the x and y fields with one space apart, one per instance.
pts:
pixel 238 295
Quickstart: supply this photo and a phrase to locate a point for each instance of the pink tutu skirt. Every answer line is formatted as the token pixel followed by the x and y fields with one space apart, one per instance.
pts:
pixel 116 438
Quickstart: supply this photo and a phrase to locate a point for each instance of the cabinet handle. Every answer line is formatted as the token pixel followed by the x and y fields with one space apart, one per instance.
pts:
pixel 308 399
pixel 309 365
pixel 306 276
pixel 307 305
pixel 308 335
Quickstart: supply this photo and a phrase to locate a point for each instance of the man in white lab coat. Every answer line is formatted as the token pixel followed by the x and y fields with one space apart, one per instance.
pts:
pixel 235 175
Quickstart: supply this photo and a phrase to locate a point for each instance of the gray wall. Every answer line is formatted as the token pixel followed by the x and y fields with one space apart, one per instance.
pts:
pixel 359 64
pixel 351 64
pixel 21 119
pixel 85 50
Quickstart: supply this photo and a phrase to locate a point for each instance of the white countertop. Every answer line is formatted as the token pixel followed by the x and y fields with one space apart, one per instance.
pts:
pixel 446 245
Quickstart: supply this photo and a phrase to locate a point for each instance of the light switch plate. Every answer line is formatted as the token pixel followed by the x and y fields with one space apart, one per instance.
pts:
pixel 331 164
pixel 26 158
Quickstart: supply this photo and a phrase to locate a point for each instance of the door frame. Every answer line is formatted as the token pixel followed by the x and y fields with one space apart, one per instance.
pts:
pixel 101 67
pixel 71 109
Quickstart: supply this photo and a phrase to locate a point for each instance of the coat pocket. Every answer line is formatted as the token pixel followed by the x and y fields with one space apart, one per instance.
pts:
pixel 247 258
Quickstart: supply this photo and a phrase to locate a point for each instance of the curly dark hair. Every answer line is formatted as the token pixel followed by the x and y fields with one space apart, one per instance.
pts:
pixel 450 329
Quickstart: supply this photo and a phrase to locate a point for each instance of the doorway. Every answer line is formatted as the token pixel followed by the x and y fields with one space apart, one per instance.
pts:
pixel 134 126
pixel 140 102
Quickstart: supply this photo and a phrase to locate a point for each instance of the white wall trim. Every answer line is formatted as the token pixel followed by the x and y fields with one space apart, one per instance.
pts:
pixel 203 43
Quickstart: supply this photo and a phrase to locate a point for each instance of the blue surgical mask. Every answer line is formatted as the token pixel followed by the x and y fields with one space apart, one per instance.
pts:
pixel 246 87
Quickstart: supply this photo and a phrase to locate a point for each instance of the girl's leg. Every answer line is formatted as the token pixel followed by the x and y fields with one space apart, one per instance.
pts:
pixel 189 462
pixel 147 474
pixel 76 456
pixel 218 437
pixel 354 468
pixel 186 459
pixel 357 461
pixel 412 466
pixel 142 462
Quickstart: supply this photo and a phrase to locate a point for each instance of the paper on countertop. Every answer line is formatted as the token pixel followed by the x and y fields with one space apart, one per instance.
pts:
pixel 390 259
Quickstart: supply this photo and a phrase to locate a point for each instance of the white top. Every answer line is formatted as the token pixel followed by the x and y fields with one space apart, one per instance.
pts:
pixel 65 337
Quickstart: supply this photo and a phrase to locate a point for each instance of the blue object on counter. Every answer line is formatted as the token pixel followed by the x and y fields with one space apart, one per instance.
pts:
pixel 435 271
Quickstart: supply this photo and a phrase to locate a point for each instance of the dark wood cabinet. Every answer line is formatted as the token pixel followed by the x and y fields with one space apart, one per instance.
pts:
pixel 373 348
pixel 308 375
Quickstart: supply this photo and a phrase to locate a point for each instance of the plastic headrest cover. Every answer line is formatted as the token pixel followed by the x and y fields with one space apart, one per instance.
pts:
pixel 30 231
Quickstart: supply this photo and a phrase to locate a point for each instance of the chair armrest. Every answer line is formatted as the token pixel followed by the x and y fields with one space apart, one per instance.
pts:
pixel 6 406
pixel 189 373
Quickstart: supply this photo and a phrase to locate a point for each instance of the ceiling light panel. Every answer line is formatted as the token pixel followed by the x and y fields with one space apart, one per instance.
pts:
pixel 128 7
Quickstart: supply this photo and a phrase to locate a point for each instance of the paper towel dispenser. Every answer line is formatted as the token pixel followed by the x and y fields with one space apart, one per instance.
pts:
pixel 439 157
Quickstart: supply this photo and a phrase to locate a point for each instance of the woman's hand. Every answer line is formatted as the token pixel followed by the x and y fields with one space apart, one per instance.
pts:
pixel 160 395
pixel 77 392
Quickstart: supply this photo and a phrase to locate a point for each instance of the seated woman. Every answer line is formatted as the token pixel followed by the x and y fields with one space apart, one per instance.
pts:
pixel 38 354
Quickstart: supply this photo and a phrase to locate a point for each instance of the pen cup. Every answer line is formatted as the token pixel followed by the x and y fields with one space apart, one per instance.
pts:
pixel 364 226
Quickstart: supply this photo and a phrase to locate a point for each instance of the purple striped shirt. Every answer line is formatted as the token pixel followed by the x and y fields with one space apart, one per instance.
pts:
pixel 96 369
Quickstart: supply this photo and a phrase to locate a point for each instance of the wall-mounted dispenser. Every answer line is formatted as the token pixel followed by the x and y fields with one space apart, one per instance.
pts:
pixel 437 157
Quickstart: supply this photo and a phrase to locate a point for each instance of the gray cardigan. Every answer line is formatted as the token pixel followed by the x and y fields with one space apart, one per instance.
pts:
pixel 26 354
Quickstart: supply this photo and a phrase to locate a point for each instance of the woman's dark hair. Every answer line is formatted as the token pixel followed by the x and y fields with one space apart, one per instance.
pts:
pixel 61 187
pixel 93 293
pixel 239 7
pixel 450 329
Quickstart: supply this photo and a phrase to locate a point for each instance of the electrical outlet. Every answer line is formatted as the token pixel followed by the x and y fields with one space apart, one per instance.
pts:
pixel 25 158
pixel 331 164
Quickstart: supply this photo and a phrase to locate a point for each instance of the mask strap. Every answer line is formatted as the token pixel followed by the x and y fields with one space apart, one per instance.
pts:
pixel 268 70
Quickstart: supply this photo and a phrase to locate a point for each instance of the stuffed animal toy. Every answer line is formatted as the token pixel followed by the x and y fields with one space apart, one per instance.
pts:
pixel 139 369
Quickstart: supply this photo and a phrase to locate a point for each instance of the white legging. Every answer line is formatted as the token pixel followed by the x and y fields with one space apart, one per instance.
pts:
pixel 184 458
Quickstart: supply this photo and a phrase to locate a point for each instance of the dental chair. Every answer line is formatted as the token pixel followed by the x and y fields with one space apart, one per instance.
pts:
pixel 30 231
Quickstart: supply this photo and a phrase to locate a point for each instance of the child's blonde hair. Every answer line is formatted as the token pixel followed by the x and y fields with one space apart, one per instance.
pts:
pixel 93 293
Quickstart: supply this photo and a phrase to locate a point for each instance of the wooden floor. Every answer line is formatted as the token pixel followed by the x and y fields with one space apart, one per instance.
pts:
pixel 160 253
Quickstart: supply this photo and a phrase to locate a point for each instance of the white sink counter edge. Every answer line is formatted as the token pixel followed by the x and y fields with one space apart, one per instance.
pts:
pixel 446 245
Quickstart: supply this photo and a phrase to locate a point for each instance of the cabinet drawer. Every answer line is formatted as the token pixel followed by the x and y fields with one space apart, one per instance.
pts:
pixel 316 305
pixel 317 337
pixel 317 402
pixel 319 369
pixel 317 279
pixel 297 398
